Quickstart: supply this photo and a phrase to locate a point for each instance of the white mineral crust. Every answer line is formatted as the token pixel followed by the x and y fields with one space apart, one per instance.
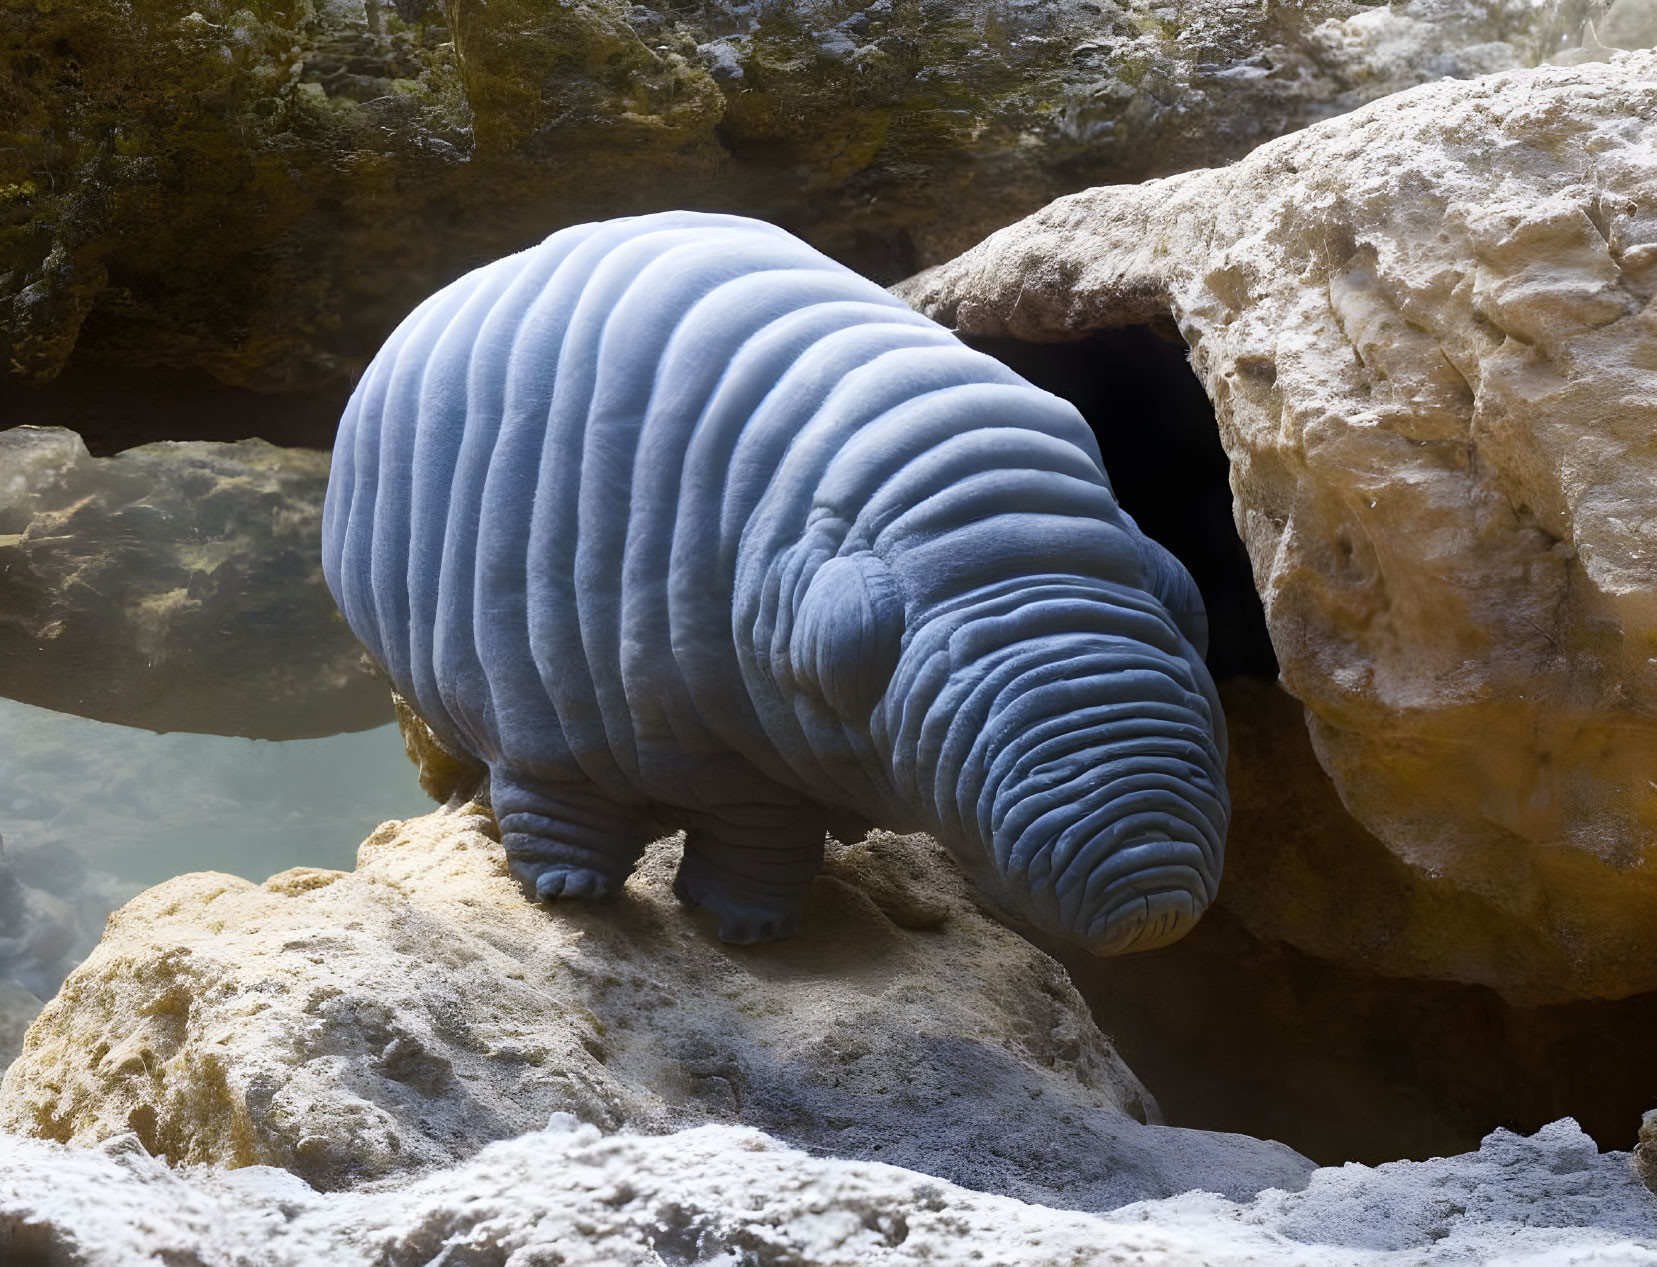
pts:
pixel 573 1196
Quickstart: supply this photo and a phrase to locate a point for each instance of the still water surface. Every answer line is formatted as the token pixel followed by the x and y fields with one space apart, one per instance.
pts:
pixel 90 813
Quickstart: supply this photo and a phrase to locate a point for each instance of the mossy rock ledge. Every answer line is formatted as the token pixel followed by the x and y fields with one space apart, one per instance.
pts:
pixel 261 188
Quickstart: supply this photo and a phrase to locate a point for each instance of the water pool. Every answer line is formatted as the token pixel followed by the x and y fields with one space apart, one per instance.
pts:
pixel 91 813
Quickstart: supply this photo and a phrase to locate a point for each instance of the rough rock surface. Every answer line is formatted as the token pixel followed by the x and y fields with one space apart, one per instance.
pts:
pixel 176 586
pixel 352 1025
pixel 1334 1059
pixel 574 1196
pixel 263 190
pixel 1645 1153
pixel 1429 334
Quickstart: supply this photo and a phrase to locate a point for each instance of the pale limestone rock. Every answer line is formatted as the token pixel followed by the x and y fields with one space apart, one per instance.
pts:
pixel 1428 332
pixel 175 586
pixel 572 1196
pixel 353 1025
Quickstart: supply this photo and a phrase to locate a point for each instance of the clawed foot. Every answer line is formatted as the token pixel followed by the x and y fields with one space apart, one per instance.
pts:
pixel 743 920
pixel 545 881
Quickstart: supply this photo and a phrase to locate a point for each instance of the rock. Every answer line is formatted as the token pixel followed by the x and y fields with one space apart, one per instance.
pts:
pixel 1645 1153
pixel 1332 1058
pixel 1427 329
pixel 571 1194
pixel 18 1007
pixel 176 586
pixel 262 191
pixel 352 1026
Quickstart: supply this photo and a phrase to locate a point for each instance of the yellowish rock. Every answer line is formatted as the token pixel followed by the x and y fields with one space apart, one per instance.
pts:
pixel 1429 334
pixel 348 1026
pixel 175 586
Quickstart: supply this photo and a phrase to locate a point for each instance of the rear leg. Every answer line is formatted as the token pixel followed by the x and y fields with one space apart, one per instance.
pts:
pixel 566 839
pixel 753 874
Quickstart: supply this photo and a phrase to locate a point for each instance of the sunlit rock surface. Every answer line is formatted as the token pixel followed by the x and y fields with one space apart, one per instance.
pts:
pixel 263 191
pixel 174 587
pixel 1428 332
pixel 573 1195
pixel 353 1025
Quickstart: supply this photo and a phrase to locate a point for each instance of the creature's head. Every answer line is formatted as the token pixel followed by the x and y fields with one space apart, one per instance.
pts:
pixel 940 569
pixel 1065 733
pixel 1059 732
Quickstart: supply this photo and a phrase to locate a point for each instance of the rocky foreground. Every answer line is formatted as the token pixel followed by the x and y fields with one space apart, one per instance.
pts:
pixel 409 1063
pixel 354 1026
pixel 573 1195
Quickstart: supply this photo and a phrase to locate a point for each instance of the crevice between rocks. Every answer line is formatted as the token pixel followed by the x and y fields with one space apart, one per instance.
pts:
pixel 1157 434
pixel 1239 1032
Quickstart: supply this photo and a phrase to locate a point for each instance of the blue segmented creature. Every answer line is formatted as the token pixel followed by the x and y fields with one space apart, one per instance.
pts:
pixel 672 521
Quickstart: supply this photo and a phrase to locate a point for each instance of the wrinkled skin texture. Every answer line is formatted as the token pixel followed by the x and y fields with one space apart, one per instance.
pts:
pixel 674 521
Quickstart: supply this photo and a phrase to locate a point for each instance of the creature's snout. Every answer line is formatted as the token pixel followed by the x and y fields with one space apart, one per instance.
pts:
pixel 1117 844
pixel 1089 769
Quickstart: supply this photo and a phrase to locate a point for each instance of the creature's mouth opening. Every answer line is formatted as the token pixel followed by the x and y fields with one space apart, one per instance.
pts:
pixel 1147 921
pixel 1102 800
pixel 1157 433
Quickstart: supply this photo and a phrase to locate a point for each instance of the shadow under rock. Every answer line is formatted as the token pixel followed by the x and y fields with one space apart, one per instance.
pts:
pixel 1232 1030
pixel 1231 1033
pixel 114 408
pixel 1236 1027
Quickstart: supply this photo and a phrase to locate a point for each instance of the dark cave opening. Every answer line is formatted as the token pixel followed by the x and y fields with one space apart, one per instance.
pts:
pixel 1157 433
pixel 1231 1032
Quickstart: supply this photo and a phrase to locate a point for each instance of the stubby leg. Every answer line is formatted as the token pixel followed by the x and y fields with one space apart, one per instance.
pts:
pixel 566 839
pixel 752 869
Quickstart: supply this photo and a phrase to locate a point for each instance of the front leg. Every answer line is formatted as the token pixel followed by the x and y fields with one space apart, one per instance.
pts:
pixel 752 867
pixel 566 839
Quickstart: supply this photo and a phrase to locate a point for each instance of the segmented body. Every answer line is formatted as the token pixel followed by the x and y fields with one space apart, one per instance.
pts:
pixel 674 520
